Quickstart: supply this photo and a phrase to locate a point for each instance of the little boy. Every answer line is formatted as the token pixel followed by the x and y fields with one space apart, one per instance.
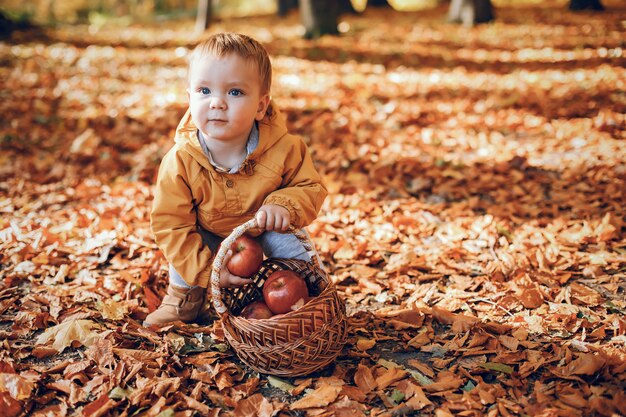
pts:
pixel 232 160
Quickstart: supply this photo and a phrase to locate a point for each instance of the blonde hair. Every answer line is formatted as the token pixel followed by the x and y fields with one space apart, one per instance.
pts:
pixel 222 44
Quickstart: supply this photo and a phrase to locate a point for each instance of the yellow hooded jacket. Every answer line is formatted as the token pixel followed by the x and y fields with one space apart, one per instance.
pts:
pixel 190 192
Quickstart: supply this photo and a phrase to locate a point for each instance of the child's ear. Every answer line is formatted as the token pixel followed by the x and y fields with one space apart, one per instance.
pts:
pixel 264 101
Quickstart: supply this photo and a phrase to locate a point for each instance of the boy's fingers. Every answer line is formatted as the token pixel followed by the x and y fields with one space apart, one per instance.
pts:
pixel 261 218
pixel 278 223
pixel 269 224
pixel 229 254
pixel 285 224
pixel 228 280
pixel 238 281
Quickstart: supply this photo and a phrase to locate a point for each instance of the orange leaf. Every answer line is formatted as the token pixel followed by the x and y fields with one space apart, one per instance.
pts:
pixel 460 323
pixel 416 397
pixel 445 380
pixel 99 407
pixel 194 404
pixel 571 396
pixel 530 297
pixel 364 379
pixel 404 319
pixel 9 406
pixel 585 364
pixel 365 344
pixel 389 377
pixel 248 387
pixel 224 380
pixel 321 397
pixel 152 300
pixel 17 386
pixel 254 406
pixel 301 386
pixel 422 367
pixel 354 393
pixel 101 352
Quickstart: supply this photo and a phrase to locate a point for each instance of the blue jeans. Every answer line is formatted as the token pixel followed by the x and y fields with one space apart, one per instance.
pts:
pixel 275 245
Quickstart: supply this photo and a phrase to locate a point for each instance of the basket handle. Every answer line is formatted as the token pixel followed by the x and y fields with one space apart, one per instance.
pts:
pixel 216 291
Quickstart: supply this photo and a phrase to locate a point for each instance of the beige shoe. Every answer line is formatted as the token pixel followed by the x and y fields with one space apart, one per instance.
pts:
pixel 179 304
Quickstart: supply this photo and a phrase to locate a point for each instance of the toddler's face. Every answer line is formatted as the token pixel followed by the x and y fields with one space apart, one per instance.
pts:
pixel 225 97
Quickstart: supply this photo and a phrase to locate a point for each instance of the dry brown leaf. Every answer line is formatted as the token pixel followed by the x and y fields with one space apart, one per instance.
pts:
pixel 113 310
pixel 101 352
pixel 509 342
pixel 55 410
pixel 585 364
pixel 151 299
pixel 571 396
pixel 389 376
pixel 320 397
pixel 416 399
pixel 142 355
pixel 194 404
pixel 364 379
pixel 354 393
pixel 69 331
pixel 345 407
pixel 446 380
pixel 10 407
pixel 99 407
pixel 254 406
pixel 530 297
pixel 365 344
pixel 403 319
pixel 18 387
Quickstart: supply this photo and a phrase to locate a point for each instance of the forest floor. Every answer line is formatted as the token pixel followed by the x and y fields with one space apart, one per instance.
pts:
pixel 475 225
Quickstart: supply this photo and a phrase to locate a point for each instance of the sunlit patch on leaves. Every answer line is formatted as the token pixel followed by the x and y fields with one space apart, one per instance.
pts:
pixel 72 330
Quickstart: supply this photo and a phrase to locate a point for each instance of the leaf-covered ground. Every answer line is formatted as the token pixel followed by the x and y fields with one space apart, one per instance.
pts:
pixel 476 222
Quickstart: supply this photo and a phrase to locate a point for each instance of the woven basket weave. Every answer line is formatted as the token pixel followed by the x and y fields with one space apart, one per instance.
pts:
pixel 296 343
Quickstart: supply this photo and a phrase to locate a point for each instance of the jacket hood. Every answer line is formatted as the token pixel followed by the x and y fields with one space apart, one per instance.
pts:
pixel 271 129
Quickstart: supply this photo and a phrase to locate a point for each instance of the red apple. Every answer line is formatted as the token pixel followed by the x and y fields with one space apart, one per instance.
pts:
pixel 247 257
pixel 256 310
pixel 284 289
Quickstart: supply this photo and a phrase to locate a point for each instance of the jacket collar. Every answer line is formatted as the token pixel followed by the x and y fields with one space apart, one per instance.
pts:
pixel 271 129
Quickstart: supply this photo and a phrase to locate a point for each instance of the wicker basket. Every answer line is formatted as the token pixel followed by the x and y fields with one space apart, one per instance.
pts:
pixel 296 343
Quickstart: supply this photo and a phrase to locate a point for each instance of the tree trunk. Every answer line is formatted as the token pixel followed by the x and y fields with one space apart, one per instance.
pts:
pixel 285 6
pixel 319 17
pixel 345 6
pixel 470 12
pixel 203 18
pixel 378 3
pixel 585 4
pixel 7 26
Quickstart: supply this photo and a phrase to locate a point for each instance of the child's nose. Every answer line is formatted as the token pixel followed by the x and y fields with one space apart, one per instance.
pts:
pixel 217 103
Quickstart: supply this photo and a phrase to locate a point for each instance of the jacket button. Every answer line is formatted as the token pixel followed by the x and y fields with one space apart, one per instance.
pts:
pixel 230 183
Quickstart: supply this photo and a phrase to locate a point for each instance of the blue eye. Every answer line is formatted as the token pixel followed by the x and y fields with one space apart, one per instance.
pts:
pixel 235 92
pixel 205 91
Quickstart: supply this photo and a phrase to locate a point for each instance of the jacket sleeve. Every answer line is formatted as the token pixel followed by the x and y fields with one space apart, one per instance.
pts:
pixel 173 222
pixel 301 191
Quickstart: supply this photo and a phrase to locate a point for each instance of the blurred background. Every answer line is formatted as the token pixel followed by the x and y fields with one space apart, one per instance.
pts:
pixel 125 12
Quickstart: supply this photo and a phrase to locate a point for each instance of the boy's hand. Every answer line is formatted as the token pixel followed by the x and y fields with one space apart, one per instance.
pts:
pixel 273 217
pixel 228 280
